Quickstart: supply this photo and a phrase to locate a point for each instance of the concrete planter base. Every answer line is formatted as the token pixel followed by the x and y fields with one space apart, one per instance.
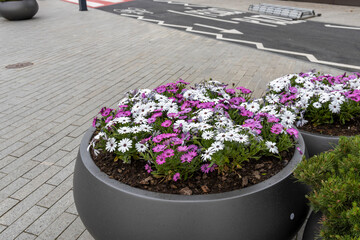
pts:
pixel 316 143
pixel 274 209
pixel 19 10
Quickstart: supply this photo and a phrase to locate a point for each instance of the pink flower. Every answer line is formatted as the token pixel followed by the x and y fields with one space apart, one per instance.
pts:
pixel 230 91
pixel 108 119
pixel 166 123
pixel 94 122
pixel 277 128
pixel 192 154
pixel 159 148
pixel 151 120
pixel 160 159
pixel 182 81
pixel 186 158
pixel 301 153
pixel 148 168
pixel 160 89
pixel 273 119
pixel 158 138
pixel 244 90
pixel 176 176
pixel 105 111
pixel 206 169
pixel 182 148
pixel 155 115
pixel 293 132
pixel 168 153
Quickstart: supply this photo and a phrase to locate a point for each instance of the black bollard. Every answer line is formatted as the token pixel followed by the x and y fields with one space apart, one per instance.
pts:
pixel 82 5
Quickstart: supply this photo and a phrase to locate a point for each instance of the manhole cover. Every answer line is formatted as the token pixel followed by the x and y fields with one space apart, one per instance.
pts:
pixel 19 65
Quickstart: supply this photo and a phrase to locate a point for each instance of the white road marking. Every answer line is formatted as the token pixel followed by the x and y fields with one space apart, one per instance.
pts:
pixel 223 30
pixel 258 45
pixel 194 15
pixel 344 27
pixel 253 21
pixel 180 3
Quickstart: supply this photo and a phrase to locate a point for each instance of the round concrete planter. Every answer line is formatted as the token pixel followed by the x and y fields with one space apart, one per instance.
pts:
pixel 18 10
pixel 316 143
pixel 313 227
pixel 273 210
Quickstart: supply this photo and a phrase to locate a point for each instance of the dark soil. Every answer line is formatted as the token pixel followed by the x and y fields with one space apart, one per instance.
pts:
pixel 134 175
pixel 350 129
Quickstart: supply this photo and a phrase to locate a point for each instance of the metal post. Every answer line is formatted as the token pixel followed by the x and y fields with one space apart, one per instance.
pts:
pixel 82 5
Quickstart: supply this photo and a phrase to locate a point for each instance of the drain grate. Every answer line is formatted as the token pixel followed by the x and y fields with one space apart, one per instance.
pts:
pixel 282 11
pixel 19 65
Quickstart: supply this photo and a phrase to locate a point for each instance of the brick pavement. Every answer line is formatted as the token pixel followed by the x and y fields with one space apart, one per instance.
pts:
pixel 83 61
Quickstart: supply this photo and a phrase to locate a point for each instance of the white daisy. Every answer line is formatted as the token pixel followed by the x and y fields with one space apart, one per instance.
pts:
pixel 242 138
pixel 324 97
pixel 272 147
pixel 220 137
pixel 272 98
pixel 316 105
pixel 111 145
pixel 122 120
pixel 141 147
pixel 205 156
pixel 207 135
pixel 140 120
pixel 145 128
pixel 205 114
pixel 338 98
pixel 253 107
pixel 124 130
pixel 300 80
pixel 124 145
pixel 334 107
pixel 288 117
pixel 217 146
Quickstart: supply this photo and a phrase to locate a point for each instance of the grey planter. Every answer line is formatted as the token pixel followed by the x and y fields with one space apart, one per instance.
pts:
pixel 316 143
pixel 273 210
pixel 19 10
pixel 313 227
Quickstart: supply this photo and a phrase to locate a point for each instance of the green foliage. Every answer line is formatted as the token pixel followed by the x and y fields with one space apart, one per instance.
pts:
pixel 335 180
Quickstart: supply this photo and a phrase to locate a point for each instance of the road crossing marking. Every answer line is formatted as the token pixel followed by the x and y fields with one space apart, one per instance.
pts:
pixel 199 16
pixel 258 45
pixel 344 27
pixel 233 31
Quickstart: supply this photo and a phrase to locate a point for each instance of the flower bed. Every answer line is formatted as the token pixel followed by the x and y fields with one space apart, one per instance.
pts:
pixel 177 133
pixel 314 102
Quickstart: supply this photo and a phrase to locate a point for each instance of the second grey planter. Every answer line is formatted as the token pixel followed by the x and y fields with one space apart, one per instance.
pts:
pixel 313 227
pixel 273 210
pixel 18 10
pixel 316 143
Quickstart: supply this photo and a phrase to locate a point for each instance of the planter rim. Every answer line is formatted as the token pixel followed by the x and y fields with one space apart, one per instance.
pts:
pixel 321 135
pixel 103 177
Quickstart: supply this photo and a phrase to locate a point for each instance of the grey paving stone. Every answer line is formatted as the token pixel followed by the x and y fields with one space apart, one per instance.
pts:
pixel 2 228
pixel 57 227
pixel 72 209
pixel 62 175
pixel 23 206
pixel 85 236
pixel 21 160
pixel 57 193
pixel 12 176
pixel 51 214
pixel 36 182
pixel 19 225
pixel 12 187
pixel 7 204
pixel 25 236
pixel 73 231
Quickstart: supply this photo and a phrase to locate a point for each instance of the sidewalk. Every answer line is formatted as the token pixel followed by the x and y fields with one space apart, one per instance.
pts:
pixel 83 61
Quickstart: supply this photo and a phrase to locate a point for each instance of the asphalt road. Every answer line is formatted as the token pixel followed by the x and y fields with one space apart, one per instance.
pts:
pixel 336 46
